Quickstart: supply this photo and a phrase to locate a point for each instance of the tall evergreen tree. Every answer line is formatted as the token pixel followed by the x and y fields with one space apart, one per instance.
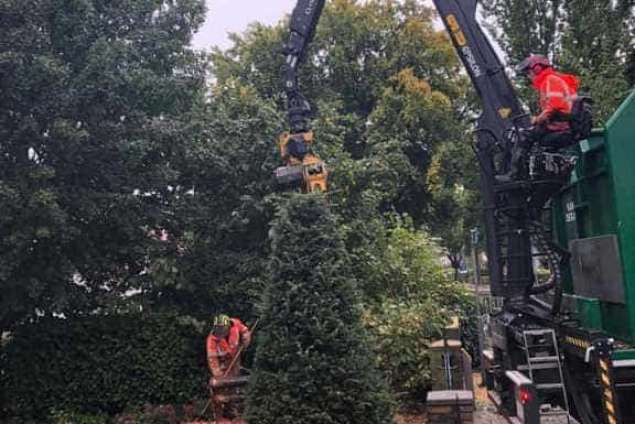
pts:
pixel 313 365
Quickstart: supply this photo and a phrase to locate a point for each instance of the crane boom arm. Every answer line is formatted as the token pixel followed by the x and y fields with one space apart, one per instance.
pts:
pixel 304 20
pixel 501 107
pixel 302 167
pixel 502 117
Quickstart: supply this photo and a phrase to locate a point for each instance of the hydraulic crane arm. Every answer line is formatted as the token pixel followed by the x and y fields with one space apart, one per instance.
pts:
pixel 501 109
pixel 502 119
pixel 304 20
pixel 302 168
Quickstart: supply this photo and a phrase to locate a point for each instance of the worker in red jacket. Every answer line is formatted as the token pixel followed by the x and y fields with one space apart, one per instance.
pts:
pixel 223 344
pixel 557 92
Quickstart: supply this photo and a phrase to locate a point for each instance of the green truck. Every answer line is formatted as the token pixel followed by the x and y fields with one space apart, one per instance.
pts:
pixel 594 218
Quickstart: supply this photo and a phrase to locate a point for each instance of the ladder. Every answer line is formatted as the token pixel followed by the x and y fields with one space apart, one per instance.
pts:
pixel 542 354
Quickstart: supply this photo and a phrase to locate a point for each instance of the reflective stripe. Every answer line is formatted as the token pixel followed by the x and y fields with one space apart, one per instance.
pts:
pixel 564 92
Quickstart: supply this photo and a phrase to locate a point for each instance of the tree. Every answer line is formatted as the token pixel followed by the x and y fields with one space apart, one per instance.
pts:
pixel 526 27
pixel 224 209
pixel 391 82
pixel 452 181
pixel 95 97
pixel 409 299
pixel 313 364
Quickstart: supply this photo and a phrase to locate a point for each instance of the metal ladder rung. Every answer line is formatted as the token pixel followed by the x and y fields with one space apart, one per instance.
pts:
pixel 543 366
pixel 543 359
pixel 537 332
pixel 539 345
pixel 546 339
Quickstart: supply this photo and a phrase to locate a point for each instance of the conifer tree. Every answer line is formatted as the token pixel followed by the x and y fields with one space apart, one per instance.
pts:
pixel 313 364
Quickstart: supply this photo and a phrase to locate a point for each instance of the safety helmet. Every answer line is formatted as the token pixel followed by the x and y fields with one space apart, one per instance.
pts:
pixel 222 320
pixel 531 61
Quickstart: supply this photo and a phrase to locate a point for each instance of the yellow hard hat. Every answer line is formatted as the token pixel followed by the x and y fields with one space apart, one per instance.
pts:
pixel 222 320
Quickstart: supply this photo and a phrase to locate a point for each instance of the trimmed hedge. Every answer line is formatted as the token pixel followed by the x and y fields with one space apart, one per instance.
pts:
pixel 101 364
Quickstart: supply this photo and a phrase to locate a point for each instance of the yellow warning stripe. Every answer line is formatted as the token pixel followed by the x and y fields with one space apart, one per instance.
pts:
pixel 608 393
pixel 605 380
pixel 604 366
pixel 574 341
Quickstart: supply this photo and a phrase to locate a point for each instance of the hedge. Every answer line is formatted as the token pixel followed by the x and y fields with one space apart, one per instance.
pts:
pixel 101 364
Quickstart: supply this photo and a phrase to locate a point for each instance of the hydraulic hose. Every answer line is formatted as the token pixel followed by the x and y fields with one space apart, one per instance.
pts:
pixel 555 279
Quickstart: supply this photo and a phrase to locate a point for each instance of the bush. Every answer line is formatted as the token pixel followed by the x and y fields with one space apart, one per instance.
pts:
pixel 402 333
pixel 101 364
pixel 313 364
pixel 411 300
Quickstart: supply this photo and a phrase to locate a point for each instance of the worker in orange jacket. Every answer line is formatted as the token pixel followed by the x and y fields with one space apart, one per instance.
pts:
pixel 223 347
pixel 557 92
pixel 223 344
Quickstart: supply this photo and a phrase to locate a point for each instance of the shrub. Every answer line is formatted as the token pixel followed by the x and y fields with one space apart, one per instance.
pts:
pixel 313 364
pixel 101 364
pixel 402 333
pixel 413 303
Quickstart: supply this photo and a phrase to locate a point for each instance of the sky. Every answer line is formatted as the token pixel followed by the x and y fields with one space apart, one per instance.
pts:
pixel 225 16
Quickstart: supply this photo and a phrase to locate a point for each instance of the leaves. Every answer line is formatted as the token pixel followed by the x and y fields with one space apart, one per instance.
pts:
pixel 94 98
pixel 101 364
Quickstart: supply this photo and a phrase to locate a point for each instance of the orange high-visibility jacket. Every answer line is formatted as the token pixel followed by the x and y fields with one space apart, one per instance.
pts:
pixel 557 93
pixel 221 351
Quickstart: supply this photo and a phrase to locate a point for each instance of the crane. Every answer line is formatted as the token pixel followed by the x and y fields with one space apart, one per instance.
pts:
pixel 302 168
pixel 532 314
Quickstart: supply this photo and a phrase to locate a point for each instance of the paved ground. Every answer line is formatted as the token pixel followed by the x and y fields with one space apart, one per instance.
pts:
pixel 486 414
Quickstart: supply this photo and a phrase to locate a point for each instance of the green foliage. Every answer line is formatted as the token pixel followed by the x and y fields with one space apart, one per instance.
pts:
pixel 388 94
pixel 125 143
pixel 101 364
pixel 60 417
pixel 406 266
pixel 401 334
pixel 225 177
pixel 413 301
pixel 313 364
pixel 455 196
pixel 525 27
pixel 95 97
pixel 387 86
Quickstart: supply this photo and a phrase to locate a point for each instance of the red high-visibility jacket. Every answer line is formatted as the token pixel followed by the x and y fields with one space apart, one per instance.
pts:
pixel 557 93
pixel 221 351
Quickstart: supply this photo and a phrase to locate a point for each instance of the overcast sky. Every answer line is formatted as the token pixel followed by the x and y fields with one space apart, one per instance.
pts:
pixel 225 16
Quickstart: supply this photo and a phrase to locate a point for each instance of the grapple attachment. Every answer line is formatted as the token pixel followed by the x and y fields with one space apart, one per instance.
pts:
pixel 303 170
